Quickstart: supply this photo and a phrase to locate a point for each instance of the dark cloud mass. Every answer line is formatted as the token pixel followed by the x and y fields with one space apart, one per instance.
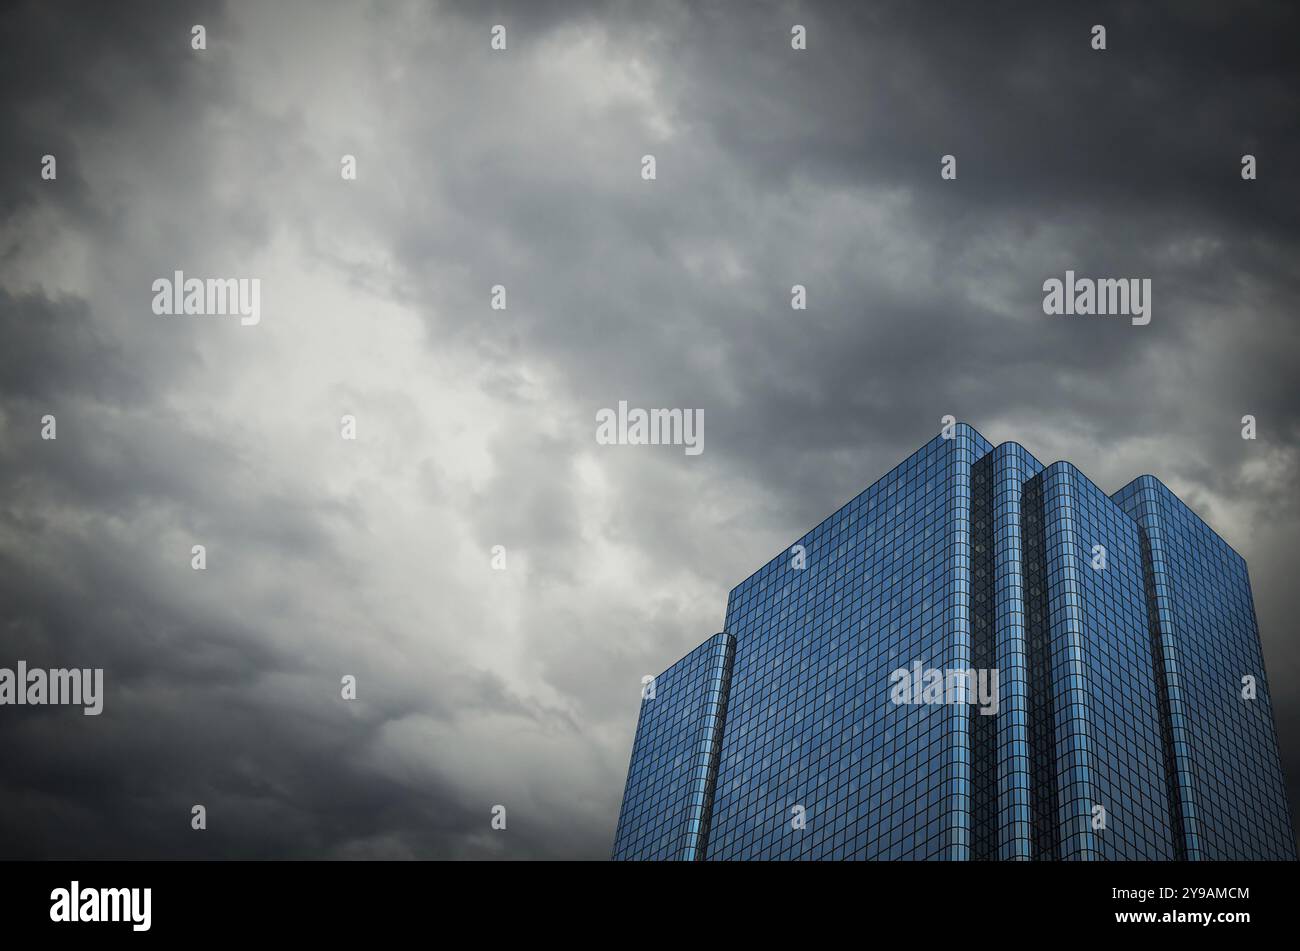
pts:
pixel 476 427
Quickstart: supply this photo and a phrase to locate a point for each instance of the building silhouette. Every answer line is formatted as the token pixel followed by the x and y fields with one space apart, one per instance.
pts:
pixel 1132 719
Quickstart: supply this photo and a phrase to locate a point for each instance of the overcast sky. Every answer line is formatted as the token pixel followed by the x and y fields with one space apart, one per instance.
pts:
pixel 475 427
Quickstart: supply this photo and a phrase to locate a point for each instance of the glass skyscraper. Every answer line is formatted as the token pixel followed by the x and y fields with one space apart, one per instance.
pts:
pixel 1130 714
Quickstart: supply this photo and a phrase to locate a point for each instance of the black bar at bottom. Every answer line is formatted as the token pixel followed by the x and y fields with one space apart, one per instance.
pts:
pixel 305 900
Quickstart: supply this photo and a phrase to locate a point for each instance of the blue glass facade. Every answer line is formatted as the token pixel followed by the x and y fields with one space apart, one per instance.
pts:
pixel 809 726
pixel 1101 700
pixel 1231 798
pixel 1119 631
pixel 668 799
pixel 1002 812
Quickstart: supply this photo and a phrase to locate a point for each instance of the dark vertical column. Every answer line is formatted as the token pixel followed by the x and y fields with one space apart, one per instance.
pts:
pixel 1011 468
pixel 1042 699
pixel 1041 708
pixel 985 834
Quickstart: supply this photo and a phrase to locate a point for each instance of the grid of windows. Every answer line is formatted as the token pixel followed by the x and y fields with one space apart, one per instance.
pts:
pixel 667 801
pixel 985 834
pixel 1042 702
pixel 1001 819
pixel 1112 786
pixel 1118 685
pixel 1233 803
pixel 1183 818
pixel 816 761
